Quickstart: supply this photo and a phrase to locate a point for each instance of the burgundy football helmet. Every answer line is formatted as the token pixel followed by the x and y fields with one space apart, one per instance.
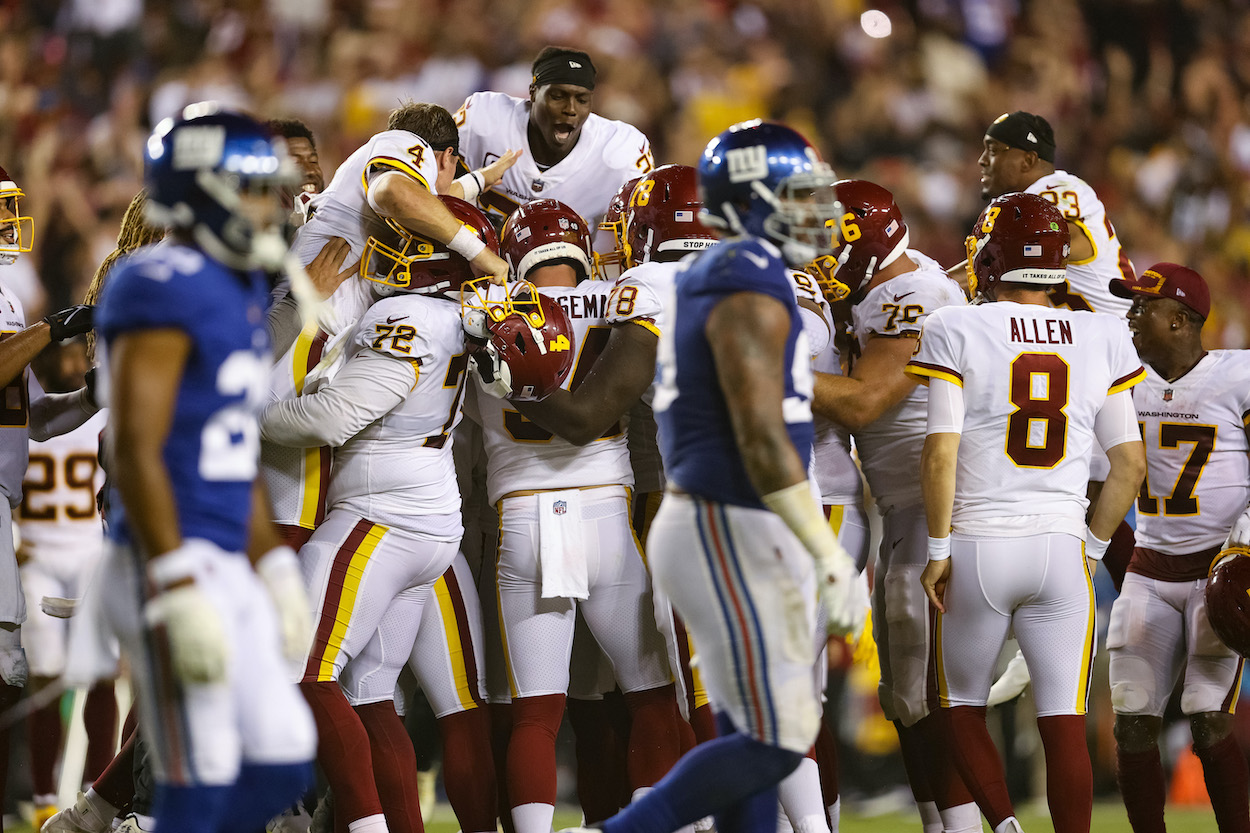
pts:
pixel 542 232
pixel 662 217
pixel 17 233
pixel 1228 598
pixel 401 261
pixel 614 223
pixel 871 235
pixel 530 331
pixel 1019 238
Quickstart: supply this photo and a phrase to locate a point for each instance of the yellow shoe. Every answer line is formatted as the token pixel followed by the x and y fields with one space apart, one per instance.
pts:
pixel 43 812
pixel 427 780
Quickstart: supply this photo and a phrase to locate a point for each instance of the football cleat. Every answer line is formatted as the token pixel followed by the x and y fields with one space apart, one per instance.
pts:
pixel 83 817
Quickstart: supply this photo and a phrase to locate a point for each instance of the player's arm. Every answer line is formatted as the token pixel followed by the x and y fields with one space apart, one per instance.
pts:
pixel 54 414
pixel 750 367
pixel 18 350
pixel 146 369
pixel 1116 430
pixel 399 197
pixel 619 376
pixel 1082 248
pixel 278 567
pixel 369 386
pixel 938 463
pixel 877 383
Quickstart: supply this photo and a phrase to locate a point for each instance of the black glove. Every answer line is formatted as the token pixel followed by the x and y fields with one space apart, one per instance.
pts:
pixel 71 322
pixel 89 384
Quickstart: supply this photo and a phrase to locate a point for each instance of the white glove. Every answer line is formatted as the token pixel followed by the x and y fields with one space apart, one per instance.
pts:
pixel 193 625
pixel 1240 536
pixel 493 374
pixel 279 570
pixel 844 596
pixel 474 322
pixel 1012 683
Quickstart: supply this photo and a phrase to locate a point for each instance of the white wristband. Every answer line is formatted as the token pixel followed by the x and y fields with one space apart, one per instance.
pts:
pixel 473 184
pixel 466 244
pixel 1095 547
pixel 939 548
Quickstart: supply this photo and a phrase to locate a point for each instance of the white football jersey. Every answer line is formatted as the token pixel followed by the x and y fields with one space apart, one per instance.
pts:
pixel 400 466
pixel 1086 288
pixel 889 448
pixel 297 478
pixel 15 408
pixel 523 456
pixel 1034 378
pixel 57 518
pixel 1198 471
pixel 607 155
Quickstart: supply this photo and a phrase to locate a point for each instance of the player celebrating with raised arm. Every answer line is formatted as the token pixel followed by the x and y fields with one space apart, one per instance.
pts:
pixel 1019 392
pixel 740 540
pixel 1192 407
pixel 567 152
pixel 186 355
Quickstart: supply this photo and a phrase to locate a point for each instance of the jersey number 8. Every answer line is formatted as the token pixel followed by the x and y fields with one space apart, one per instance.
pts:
pixel 1037 430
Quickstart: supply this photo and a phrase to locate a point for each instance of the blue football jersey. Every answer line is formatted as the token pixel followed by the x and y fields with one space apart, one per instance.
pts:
pixel 214 440
pixel 696 436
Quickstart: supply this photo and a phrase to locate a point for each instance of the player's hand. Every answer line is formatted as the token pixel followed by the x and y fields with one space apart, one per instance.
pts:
pixel 1012 683
pixel 71 322
pixel 934 578
pixel 58 607
pixel 489 264
pixel 280 572
pixel 843 595
pixel 326 270
pixel 492 173
pixel 1240 535
pixel 492 372
pixel 192 623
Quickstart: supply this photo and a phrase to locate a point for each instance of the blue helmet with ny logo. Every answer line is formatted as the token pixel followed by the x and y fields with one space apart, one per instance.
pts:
pixel 214 173
pixel 765 179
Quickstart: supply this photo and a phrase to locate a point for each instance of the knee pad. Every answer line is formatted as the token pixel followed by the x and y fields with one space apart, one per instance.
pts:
pixel 1130 697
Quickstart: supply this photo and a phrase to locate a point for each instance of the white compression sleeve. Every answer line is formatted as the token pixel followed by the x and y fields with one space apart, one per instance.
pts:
pixel 1117 421
pixel 946 407
pixel 369 386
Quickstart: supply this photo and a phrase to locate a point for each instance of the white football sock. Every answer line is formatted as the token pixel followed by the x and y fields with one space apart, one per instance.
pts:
pixel 533 818
pixel 369 824
pixel 101 807
pixel 963 818
pixel 930 818
pixel 835 815
pixel 1009 825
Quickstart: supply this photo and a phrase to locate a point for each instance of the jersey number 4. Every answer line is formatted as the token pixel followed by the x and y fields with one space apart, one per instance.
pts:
pixel 1182 501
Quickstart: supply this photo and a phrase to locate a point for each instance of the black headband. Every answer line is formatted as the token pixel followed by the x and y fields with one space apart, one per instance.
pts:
pixel 565 68
pixel 1024 131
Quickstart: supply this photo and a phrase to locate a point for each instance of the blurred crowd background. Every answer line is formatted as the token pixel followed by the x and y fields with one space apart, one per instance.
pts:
pixel 1150 99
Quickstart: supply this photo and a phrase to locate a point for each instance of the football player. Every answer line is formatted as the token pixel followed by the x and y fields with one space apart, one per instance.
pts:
pixel 569 153
pixel 1192 407
pixel 740 545
pixel 61 543
pixel 208 634
pixel 565 541
pixel 1018 393
pixel 302 147
pixel 892 289
pixel 393 522
pixel 27 413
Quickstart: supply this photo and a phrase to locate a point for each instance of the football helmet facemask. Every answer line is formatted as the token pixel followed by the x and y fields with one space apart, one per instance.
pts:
pixel 17 233
pixel 528 330
pixel 661 220
pixel 614 223
pixel 871 234
pixel 400 261
pixel 1019 238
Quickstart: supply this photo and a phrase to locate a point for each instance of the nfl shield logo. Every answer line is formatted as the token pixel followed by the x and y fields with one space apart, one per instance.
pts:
pixel 538 185
pixel 1167 395
pixel 559 507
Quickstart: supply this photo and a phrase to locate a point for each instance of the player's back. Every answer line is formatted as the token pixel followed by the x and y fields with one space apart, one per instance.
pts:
pixel 696 437
pixel 57 518
pixel 1198 478
pixel 522 455
pixel 608 154
pixel 213 443
pixel 1088 279
pixel 14 409
pixel 400 465
pixel 1034 378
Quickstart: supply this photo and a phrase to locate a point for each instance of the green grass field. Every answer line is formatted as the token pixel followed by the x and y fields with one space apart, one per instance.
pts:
pixel 1108 818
